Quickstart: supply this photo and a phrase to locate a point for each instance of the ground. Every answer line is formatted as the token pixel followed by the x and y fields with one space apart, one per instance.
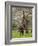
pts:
pixel 16 34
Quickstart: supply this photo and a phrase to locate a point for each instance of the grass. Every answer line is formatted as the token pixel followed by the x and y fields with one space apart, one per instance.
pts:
pixel 16 34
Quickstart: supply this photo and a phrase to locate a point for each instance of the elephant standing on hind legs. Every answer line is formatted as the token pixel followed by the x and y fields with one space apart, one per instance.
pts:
pixel 24 25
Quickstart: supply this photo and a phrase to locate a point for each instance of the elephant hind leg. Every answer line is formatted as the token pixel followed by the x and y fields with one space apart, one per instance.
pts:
pixel 26 31
pixel 21 32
